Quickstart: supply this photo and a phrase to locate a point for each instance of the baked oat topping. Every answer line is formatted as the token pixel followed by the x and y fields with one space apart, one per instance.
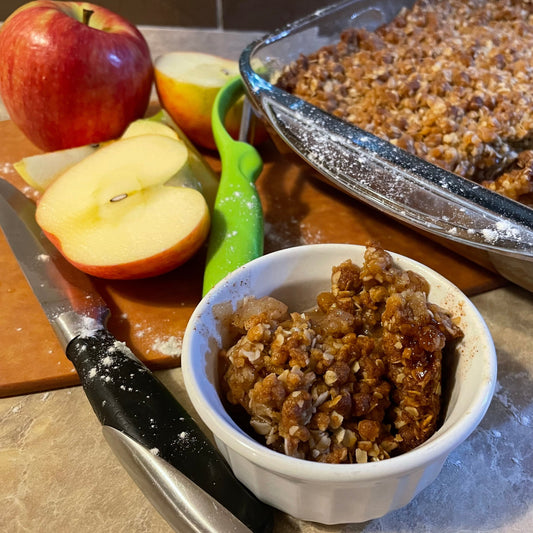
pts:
pixel 450 81
pixel 356 379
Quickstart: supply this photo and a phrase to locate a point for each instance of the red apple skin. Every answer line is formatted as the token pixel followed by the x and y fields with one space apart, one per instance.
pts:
pixel 65 83
pixel 146 267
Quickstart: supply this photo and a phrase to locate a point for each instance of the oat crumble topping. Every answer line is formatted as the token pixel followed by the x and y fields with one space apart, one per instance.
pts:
pixel 450 81
pixel 356 379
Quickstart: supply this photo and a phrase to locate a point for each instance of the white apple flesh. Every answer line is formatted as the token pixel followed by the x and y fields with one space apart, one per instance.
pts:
pixel 196 173
pixel 146 126
pixel 66 81
pixel 187 84
pixel 40 170
pixel 117 215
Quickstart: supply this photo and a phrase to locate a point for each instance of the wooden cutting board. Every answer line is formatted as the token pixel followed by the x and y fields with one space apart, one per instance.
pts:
pixel 151 315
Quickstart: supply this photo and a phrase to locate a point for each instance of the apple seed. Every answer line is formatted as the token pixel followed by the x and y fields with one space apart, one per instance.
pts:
pixel 119 197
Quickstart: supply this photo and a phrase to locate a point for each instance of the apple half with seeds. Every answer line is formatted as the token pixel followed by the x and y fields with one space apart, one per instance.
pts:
pixel 118 214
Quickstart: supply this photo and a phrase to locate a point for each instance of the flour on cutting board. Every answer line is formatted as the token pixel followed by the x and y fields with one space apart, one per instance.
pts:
pixel 168 346
pixel 292 232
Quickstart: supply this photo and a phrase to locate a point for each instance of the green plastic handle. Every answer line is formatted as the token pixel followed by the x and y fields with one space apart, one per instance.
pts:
pixel 237 220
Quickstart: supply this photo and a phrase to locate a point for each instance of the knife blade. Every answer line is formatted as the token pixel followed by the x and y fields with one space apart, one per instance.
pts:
pixel 157 441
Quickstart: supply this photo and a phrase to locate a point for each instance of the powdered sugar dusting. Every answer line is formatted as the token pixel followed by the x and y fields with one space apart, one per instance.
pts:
pixel 89 327
pixel 107 361
pixel 490 235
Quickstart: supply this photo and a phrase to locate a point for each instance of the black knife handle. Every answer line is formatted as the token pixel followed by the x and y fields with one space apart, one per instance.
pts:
pixel 125 395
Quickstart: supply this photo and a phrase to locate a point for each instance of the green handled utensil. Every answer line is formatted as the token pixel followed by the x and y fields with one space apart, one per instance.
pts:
pixel 237 220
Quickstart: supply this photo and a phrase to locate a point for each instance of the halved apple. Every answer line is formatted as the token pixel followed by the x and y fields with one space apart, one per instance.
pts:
pixel 187 84
pixel 117 214
pixel 38 171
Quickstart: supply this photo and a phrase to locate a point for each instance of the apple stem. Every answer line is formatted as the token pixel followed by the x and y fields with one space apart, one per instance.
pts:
pixel 87 15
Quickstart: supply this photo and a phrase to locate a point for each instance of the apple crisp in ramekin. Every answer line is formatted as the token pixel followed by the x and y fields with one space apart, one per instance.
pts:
pixel 355 380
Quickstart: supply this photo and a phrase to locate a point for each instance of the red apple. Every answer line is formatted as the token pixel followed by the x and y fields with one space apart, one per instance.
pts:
pixel 72 73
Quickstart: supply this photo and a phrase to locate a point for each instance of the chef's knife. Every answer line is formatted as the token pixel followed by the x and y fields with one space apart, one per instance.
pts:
pixel 157 441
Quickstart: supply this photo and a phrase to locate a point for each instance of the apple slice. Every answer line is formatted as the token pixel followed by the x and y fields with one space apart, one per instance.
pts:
pixel 147 126
pixel 196 173
pixel 117 215
pixel 40 170
pixel 187 84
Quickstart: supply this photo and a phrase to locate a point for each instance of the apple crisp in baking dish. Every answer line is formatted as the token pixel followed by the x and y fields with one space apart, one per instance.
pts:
pixel 450 81
pixel 356 379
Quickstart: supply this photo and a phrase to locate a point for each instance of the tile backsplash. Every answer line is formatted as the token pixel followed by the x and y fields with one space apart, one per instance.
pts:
pixel 252 15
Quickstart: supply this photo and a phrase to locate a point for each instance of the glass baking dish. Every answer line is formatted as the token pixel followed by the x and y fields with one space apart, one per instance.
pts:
pixel 482 225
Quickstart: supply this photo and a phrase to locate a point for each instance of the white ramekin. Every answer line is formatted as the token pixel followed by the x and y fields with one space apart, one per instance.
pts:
pixel 320 492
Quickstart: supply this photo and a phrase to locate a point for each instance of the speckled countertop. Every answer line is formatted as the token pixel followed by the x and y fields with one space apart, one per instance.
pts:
pixel 58 474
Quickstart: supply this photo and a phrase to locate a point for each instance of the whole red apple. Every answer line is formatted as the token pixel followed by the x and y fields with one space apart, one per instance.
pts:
pixel 72 73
